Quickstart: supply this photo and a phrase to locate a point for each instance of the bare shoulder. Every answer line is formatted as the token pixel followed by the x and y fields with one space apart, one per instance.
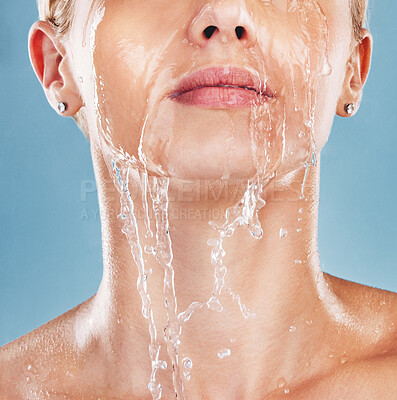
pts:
pixel 354 290
pixel 370 370
pixel 40 354
pixel 376 310
pixel 377 307
pixel 367 379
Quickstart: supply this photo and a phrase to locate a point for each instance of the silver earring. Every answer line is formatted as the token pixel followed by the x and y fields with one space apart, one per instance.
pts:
pixel 62 107
pixel 349 108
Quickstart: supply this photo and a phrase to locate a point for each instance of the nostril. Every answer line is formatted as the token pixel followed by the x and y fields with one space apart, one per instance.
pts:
pixel 208 32
pixel 239 31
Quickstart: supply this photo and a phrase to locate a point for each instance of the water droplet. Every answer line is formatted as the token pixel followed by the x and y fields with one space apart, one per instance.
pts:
pixel 187 363
pixel 281 383
pixel 300 134
pixel 313 159
pixel 300 210
pixel 163 365
pixel 309 322
pixel 298 261
pixel 292 328
pixel 299 219
pixel 81 79
pixel 32 369
pixel 283 233
pixel 215 305
pixel 212 242
pixel 224 353
pixel 286 390
pixel 331 355
pixel 299 230
pixel 232 340
pixel 27 379
pixel 229 232
pixel 344 360
pixel 326 69
pixel 149 249
pixel 155 390
pixel 187 375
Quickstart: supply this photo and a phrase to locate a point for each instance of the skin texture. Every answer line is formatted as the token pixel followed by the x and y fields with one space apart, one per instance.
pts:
pixel 344 344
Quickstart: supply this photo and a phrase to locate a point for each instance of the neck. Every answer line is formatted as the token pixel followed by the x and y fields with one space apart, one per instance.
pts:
pixel 277 278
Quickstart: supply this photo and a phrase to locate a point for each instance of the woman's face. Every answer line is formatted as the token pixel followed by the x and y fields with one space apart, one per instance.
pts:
pixel 266 100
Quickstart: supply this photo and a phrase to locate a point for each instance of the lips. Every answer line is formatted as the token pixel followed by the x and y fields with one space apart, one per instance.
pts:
pixel 221 87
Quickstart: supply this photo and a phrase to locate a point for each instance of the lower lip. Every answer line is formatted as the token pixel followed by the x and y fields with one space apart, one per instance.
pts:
pixel 219 97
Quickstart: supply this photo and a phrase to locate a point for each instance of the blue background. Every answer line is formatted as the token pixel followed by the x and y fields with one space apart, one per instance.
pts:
pixel 50 245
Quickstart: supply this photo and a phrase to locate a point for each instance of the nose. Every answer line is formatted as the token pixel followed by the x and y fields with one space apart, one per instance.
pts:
pixel 224 21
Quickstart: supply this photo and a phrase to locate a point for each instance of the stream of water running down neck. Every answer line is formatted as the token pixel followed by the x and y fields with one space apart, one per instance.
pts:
pixel 244 213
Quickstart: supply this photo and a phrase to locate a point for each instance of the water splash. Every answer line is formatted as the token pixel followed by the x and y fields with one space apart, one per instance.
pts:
pixel 188 365
pixel 130 230
pixel 172 331
pixel 281 383
pixel 283 233
pixel 224 353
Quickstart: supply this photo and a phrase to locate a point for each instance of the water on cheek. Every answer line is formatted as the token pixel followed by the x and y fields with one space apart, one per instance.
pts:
pixel 160 140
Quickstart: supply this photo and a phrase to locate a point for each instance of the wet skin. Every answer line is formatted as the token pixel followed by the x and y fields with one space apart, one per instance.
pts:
pixel 96 373
pixel 345 342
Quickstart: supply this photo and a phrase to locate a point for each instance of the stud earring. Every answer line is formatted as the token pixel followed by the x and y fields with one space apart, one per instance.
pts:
pixel 349 108
pixel 62 107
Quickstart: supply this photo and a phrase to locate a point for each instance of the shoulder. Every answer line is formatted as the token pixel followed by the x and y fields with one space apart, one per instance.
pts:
pixel 375 325
pixel 371 344
pixel 375 307
pixel 367 379
pixel 42 354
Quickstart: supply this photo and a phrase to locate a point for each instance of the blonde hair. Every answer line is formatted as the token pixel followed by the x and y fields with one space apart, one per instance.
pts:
pixel 359 12
pixel 58 12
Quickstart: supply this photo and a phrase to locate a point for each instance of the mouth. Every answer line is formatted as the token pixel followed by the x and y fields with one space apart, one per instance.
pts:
pixel 226 87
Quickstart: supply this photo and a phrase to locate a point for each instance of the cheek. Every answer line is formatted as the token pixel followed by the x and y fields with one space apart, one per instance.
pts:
pixel 129 48
pixel 119 110
pixel 122 69
pixel 327 96
pixel 297 56
pixel 329 88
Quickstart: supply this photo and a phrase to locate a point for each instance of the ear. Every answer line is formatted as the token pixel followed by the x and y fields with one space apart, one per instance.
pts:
pixel 357 69
pixel 52 67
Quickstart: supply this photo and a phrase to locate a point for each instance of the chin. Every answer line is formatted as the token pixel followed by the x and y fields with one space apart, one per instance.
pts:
pixel 200 162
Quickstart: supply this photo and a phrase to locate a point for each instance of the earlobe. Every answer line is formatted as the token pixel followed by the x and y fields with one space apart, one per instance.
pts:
pixel 357 69
pixel 49 60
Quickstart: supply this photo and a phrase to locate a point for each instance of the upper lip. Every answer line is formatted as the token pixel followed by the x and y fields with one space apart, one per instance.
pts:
pixel 222 77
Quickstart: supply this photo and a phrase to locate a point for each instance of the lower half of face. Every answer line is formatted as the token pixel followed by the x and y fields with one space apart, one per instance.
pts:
pixel 219 106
